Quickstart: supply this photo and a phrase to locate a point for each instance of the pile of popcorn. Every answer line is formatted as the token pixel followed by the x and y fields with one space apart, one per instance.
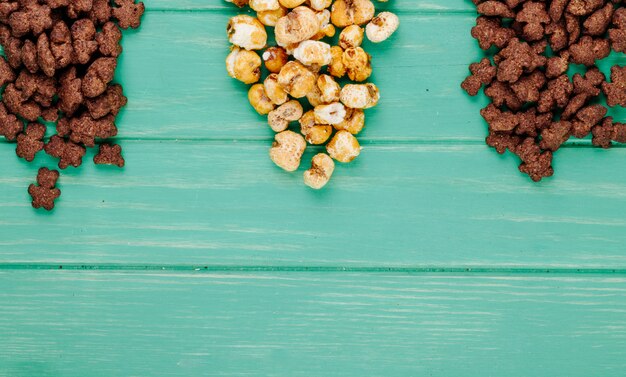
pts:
pixel 305 65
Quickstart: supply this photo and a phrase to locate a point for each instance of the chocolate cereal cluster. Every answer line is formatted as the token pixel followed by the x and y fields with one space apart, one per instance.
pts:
pixel 535 106
pixel 60 59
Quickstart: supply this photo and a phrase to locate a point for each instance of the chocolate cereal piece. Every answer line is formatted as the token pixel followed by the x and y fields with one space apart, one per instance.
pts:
pixel 109 102
pixel 45 193
pixel 617 34
pixel 30 141
pixel 616 90
pixel 587 50
pixel 98 75
pixel 109 154
pixel 84 40
pixel 534 17
pixel 68 153
pixel 489 32
pixel 598 22
pixel 109 40
pixel 502 94
pixel 483 73
pixel 554 136
pixel 607 131
pixel 128 14
pixel 586 118
pixel 516 58
pixel 10 126
pixel 495 8
pixel 535 163
pixel 528 87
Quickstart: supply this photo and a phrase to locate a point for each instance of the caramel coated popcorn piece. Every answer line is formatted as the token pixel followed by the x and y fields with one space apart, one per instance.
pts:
pixel 313 132
pixel 259 99
pixel 280 118
pixel 287 150
pixel 45 193
pixel 382 27
pixel 296 79
pixel 357 64
pixel 353 122
pixel 275 58
pixel 343 147
pixel 359 96
pixel 351 12
pixel 351 36
pixel 322 168
pixel 246 32
pixel 243 65
pixel 109 154
pixel 298 25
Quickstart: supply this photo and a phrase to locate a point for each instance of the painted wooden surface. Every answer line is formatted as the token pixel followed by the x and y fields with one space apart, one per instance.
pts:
pixel 311 324
pixel 290 280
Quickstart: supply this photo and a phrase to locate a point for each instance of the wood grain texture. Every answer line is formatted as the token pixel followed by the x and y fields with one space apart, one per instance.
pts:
pixel 397 205
pixel 199 190
pixel 303 324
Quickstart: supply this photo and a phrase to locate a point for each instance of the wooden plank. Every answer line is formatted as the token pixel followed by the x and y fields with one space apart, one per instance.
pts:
pixel 174 75
pixel 183 91
pixel 310 324
pixel 396 205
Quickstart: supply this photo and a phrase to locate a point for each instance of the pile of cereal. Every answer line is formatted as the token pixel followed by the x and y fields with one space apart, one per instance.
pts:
pixel 303 66
pixel 536 106
pixel 60 60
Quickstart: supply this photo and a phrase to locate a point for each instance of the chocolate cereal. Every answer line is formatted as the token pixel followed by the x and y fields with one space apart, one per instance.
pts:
pixel 535 105
pixel 60 60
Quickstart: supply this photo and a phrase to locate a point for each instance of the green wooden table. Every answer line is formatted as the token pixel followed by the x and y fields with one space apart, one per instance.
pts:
pixel 428 256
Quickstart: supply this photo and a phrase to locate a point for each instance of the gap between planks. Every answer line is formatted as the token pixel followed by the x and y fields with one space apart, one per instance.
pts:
pixel 312 269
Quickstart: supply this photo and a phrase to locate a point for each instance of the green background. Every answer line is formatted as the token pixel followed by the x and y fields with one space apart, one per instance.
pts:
pixel 430 255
